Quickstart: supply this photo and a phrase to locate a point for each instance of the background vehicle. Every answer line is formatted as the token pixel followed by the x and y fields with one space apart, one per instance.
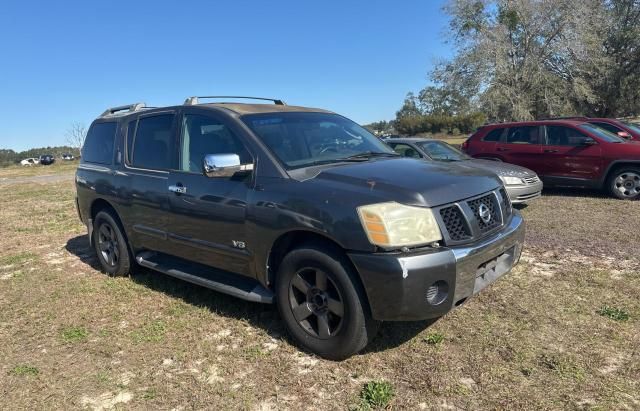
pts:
pixel 30 161
pixel 563 153
pixel 47 159
pixel 68 157
pixel 522 184
pixel 620 128
pixel 295 206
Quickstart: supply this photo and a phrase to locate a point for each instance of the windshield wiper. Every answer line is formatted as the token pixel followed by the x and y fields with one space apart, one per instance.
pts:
pixel 370 154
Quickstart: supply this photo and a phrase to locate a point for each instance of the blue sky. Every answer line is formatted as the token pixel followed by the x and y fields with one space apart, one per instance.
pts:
pixel 67 61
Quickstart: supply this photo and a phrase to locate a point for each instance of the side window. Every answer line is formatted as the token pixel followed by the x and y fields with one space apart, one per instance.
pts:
pixel 405 150
pixel 153 143
pixel 202 135
pixel 131 132
pixel 564 136
pixel 494 135
pixel 98 146
pixel 524 135
pixel 608 127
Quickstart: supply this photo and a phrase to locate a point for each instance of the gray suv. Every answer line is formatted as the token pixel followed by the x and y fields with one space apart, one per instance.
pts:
pixel 295 206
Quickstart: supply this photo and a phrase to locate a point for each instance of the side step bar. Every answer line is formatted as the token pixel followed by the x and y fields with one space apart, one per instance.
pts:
pixel 208 277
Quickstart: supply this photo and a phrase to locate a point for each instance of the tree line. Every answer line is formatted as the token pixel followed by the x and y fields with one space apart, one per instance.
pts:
pixel 521 60
pixel 9 157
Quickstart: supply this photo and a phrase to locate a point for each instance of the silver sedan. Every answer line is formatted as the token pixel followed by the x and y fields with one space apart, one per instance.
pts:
pixel 522 184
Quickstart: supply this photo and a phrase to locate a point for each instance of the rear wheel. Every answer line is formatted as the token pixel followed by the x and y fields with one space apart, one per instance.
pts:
pixel 624 183
pixel 321 303
pixel 110 245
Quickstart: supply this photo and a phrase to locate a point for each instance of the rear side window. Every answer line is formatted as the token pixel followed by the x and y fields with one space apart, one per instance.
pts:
pixel 524 135
pixel 564 136
pixel 494 135
pixel 153 143
pixel 131 132
pixel 98 146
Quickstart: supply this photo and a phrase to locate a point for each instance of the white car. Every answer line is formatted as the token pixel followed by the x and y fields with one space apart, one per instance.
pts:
pixel 30 161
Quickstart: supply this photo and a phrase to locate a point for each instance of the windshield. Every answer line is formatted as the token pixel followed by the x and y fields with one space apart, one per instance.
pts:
pixel 305 139
pixel 601 133
pixel 442 151
pixel 632 126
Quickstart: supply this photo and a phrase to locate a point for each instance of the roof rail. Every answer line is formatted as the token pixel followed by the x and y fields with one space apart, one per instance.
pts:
pixel 565 118
pixel 192 101
pixel 129 108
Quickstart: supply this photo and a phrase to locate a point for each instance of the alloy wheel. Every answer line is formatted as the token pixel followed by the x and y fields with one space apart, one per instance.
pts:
pixel 108 245
pixel 316 303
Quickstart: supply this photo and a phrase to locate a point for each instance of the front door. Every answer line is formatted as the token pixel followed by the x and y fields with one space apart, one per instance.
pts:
pixel 207 222
pixel 568 158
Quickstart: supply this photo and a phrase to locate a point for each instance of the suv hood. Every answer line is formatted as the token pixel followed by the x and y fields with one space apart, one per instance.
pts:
pixel 405 180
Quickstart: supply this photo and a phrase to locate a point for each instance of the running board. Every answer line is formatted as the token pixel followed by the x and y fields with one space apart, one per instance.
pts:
pixel 208 277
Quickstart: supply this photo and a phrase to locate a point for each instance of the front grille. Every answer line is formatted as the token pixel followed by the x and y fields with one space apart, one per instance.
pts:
pixel 462 223
pixel 531 180
pixel 505 202
pixel 455 223
pixel 490 202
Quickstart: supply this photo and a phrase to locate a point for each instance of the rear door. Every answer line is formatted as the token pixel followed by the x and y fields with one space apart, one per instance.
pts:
pixel 149 155
pixel 566 157
pixel 208 218
pixel 522 145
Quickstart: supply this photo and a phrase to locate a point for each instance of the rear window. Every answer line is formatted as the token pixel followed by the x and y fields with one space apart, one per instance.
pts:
pixel 98 146
pixel 494 135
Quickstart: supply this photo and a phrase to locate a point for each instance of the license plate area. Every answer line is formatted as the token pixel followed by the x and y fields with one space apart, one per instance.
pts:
pixel 491 270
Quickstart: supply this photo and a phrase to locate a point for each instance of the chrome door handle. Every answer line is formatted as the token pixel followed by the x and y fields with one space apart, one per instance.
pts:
pixel 178 189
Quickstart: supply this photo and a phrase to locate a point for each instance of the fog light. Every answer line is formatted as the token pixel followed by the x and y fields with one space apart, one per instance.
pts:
pixel 437 292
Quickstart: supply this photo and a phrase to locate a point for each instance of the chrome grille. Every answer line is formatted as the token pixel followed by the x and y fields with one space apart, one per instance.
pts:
pixel 455 223
pixel 490 202
pixel 531 180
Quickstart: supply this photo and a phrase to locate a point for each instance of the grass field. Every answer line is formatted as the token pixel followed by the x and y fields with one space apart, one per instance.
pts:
pixel 562 331
pixel 26 171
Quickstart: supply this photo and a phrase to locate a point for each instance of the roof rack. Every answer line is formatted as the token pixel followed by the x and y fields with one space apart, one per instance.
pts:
pixel 192 101
pixel 128 108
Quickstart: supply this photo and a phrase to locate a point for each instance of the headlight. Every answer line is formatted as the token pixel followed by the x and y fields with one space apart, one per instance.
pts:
pixel 511 181
pixel 396 225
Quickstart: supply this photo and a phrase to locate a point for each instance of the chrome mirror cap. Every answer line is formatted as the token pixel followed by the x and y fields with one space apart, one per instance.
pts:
pixel 221 165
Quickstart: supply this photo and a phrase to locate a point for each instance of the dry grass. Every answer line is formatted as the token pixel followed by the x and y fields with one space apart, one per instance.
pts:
pixel 36 170
pixel 537 339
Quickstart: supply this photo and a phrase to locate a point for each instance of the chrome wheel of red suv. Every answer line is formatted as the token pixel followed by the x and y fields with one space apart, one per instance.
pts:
pixel 625 184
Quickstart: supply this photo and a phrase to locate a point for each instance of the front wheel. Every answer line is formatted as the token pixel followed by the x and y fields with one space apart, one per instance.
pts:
pixel 321 303
pixel 625 183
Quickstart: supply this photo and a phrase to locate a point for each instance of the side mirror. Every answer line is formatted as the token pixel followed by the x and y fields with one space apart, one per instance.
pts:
pixel 222 165
pixel 624 135
pixel 588 141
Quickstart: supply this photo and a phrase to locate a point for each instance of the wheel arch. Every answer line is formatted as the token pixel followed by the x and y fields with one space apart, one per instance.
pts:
pixel 100 204
pixel 615 166
pixel 296 238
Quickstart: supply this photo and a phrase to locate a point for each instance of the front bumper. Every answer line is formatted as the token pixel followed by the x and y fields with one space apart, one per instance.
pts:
pixel 397 284
pixel 524 193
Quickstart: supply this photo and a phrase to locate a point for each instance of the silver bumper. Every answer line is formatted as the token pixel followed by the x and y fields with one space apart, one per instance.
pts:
pixel 479 265
pixel 522 194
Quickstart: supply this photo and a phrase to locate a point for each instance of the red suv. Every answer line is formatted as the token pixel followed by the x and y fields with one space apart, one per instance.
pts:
pixel 563 153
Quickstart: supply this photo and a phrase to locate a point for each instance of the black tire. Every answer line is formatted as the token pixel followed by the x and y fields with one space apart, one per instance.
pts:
pixel 624 183
pixel 111 245
pixel 343 336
